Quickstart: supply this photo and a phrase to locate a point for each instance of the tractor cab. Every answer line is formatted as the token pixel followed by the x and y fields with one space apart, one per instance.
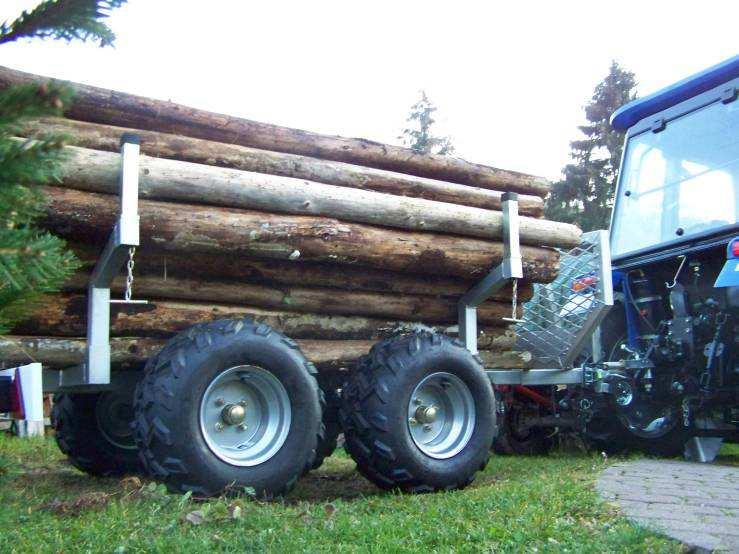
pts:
pixel 679 179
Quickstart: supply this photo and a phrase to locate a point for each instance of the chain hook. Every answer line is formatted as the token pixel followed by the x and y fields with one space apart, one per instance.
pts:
pixel 677 274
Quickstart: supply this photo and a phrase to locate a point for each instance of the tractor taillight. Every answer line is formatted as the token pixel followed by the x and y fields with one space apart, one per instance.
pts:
pixel 735 248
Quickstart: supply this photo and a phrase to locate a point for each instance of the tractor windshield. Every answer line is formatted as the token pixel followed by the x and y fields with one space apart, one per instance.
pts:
pixel 680 182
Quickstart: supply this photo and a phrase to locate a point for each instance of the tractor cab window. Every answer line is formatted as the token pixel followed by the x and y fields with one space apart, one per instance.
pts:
pixel 680 182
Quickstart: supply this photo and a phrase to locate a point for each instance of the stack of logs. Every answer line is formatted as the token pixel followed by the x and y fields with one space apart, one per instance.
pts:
pixel 337 242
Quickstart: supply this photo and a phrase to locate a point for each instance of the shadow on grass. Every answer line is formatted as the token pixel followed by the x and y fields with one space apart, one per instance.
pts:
pixel 337 479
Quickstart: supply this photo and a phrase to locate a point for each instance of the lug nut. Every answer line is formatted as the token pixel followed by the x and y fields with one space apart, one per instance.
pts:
pixel 219 426
pixel 412 420
pixel 220 401
pixel 242 427
pixel 427 428
pixel 242 402
pixel 417 401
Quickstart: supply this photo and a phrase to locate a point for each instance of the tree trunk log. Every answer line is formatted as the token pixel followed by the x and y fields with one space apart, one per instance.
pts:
pixel 59 352
pixel 66 315
pixel 303 299
pixel 98 105
pixel 195 229
pixel 162 145
pixel 175 181
pixel 277 272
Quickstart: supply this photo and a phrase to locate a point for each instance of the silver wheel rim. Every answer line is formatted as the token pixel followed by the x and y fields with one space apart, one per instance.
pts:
pixel 245 415
pixel 441 415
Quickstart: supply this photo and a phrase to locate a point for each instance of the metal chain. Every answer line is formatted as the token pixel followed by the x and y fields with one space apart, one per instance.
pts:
pixel 129 277
pixel 514 299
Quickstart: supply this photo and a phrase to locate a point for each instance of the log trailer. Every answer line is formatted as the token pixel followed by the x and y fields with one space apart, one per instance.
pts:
pixel 233 405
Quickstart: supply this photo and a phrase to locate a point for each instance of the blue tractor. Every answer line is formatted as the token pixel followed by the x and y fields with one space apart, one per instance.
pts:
pixel 640 324
pixel 669 372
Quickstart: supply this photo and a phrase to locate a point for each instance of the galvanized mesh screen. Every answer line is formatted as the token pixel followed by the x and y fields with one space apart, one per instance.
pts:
pixel 560 314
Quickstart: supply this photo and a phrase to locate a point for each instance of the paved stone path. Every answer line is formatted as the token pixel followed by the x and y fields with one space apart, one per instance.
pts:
pixel 697 504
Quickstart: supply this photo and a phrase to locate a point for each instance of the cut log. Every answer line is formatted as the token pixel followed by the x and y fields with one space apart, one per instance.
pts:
pixel 99 105
pixel 175 181
pixel 194 229
pixel 304 299
pixel 277 272
pixel 66 314
pixel 61 352
pixel 163 145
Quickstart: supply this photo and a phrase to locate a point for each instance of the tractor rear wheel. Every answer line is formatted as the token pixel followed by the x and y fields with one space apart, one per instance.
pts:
pixel 228 407
pixel 418 414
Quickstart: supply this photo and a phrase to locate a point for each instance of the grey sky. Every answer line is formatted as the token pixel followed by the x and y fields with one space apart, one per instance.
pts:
pixel 510 79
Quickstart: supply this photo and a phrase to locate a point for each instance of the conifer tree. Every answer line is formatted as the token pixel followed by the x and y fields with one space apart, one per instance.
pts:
pixel 32 261
pixel 418 136
pixel 585 195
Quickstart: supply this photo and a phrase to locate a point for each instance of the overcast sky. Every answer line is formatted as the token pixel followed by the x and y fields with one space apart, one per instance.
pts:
pixel 509 78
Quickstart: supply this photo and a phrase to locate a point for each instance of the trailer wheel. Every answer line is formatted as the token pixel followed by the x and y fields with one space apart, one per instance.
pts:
pixel 331 428
pixel 418 414
pixel 229 406
pixel 94 431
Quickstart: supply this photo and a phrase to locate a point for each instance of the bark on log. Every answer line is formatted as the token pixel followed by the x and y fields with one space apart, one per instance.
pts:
pixel 175 181
pixel 303 299
pixel 163 145
pixel 278 272
pixel 99 105
pixel 60 352
pixel 66 315
pixel 193 229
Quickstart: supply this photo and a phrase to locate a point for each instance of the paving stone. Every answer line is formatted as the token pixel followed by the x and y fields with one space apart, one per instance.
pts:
pixel 697 504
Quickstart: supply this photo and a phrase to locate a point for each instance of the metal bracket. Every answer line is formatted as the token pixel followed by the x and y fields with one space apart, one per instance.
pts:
pixel 658 125
pixel 535 376
pixel 728 95
pixel 95 370
pixel 509 268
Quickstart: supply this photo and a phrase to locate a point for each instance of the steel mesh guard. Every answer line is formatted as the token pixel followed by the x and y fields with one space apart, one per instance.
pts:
pixel 560 316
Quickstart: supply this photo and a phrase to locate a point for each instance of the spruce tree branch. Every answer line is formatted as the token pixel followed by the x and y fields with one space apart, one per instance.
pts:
pixel 63 19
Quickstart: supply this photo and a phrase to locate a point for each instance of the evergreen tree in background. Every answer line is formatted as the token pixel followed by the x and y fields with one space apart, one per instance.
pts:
pixel 585 195
pixel 418 137
pixel 34 262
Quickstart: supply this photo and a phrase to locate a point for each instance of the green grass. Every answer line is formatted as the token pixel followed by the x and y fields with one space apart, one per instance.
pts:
pixel 518 504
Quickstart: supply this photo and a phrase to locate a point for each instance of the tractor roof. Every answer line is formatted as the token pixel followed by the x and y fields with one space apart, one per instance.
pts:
pixel 631 113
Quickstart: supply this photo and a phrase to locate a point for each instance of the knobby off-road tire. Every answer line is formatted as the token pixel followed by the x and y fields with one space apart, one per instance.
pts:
pixel 94 431
pixel 385 387
pixel 331 428
pixel 178 405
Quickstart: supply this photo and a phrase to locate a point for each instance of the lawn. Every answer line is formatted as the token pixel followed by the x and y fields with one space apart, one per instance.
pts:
pixel 518 504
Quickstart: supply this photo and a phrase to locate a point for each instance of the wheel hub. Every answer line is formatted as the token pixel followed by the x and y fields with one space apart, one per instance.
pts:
pixel 245 415
pixel 441 415
pixel 234 414
pixel 426 414
pixel 114 414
